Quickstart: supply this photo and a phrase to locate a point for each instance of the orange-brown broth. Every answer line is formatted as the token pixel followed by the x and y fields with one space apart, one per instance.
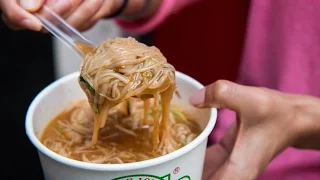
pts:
pixel 141 145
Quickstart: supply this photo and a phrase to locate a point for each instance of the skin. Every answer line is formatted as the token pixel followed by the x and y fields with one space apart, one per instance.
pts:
pixel 81 14
pixel 267 123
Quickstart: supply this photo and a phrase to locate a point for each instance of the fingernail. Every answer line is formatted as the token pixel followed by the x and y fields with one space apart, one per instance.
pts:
pixel 28 4
pixel 29 24
pixel 198 98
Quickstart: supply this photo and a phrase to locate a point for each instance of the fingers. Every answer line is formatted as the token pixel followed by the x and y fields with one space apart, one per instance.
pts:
pixel 31 5
pixel 254 146
pixel 239 98
pixel 12 26
pixel 18 18
pixel 249 157
pixel 217 154
pixel 214 95
pixel 87 26
pixel 81 14
pixel 219 94
pixel 84 12
pixel 63 7
pixel 104 11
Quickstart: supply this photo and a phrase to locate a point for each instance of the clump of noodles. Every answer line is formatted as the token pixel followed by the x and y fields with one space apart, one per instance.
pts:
pixel 121 140
pixel 121 68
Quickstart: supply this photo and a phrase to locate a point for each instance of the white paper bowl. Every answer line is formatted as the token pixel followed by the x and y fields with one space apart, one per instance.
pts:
pixel 183 164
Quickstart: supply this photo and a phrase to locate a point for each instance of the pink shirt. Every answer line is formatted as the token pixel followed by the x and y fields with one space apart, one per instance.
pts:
pixel 282 52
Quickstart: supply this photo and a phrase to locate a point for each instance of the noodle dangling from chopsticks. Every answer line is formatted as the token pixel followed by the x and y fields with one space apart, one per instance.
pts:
pixel 121 68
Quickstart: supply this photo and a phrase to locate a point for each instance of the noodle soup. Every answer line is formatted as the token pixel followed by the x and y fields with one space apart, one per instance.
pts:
pixel 124 139
pixel 60 96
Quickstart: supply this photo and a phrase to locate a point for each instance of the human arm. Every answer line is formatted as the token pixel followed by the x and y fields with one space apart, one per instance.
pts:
pixel 268 122
pixel 83 14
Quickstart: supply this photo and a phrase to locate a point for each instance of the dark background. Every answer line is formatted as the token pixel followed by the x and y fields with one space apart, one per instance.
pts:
pixel 26 63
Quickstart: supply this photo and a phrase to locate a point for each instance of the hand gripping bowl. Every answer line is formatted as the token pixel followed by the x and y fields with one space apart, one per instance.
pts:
pixel 183 164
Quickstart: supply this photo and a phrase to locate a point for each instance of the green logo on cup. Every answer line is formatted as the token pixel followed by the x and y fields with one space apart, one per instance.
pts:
pixel 149 177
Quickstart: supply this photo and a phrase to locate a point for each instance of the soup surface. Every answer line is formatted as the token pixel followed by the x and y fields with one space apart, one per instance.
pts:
pixel 127 136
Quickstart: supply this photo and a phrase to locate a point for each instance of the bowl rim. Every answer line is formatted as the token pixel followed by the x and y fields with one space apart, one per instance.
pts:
pixel 111 167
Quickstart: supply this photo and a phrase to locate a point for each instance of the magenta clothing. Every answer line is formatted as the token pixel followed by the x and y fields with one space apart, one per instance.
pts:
pixel 282 52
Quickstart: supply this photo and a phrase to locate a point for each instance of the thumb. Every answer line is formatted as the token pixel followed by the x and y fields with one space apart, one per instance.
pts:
pixel 226 94
pixel 31 5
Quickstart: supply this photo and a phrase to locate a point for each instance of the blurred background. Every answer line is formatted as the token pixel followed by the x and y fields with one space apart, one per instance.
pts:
pixel 210 31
